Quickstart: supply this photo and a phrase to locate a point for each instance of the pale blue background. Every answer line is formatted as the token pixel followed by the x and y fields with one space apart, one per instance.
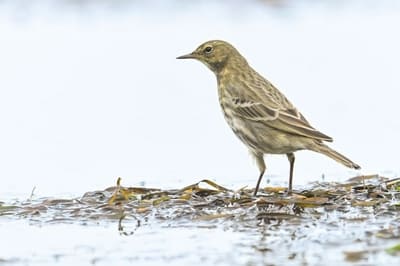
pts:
pixel 91 92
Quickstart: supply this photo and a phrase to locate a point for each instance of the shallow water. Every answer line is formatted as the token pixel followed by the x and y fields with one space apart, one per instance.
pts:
pixel 353 222
pixel 91 90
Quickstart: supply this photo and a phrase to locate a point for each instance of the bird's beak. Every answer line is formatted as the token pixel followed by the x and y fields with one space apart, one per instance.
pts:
pixel 187 56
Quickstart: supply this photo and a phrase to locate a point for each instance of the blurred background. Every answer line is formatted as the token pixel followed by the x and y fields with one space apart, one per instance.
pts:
pixel 91 90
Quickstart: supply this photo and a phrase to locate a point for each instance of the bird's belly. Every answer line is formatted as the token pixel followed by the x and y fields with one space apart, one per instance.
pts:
pixel 259 137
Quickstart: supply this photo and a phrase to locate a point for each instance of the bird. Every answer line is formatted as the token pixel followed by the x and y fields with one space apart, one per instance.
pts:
pixel 258 113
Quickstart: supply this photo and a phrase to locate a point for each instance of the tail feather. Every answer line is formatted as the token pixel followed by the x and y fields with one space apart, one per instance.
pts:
pixel 322 148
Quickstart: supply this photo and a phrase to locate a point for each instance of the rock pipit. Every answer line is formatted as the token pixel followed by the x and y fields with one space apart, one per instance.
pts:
pixel 258 113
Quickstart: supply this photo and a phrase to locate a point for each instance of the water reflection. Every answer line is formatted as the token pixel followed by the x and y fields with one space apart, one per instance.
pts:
pixel 223 226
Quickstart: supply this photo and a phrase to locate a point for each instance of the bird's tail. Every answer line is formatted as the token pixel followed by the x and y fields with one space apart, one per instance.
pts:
pixel 322 148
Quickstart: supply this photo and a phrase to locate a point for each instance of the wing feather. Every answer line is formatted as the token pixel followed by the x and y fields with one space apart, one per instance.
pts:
pixel 288 120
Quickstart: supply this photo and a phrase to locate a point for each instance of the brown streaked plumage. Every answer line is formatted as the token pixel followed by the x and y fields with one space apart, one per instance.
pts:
pixel 258 113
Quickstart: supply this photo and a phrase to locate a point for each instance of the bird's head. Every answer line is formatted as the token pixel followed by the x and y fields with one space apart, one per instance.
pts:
pixel 214 54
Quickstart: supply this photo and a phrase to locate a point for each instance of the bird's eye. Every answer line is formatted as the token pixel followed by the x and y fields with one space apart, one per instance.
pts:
pixel 208 49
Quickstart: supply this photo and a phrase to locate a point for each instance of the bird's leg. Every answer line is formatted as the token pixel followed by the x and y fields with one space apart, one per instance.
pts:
pixel 291 161
pixel 261 166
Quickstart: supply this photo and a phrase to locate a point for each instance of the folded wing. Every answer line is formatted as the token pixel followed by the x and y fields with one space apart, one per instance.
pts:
pixel 288 120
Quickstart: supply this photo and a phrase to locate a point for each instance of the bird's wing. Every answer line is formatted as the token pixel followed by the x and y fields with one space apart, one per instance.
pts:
pixel 285 119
